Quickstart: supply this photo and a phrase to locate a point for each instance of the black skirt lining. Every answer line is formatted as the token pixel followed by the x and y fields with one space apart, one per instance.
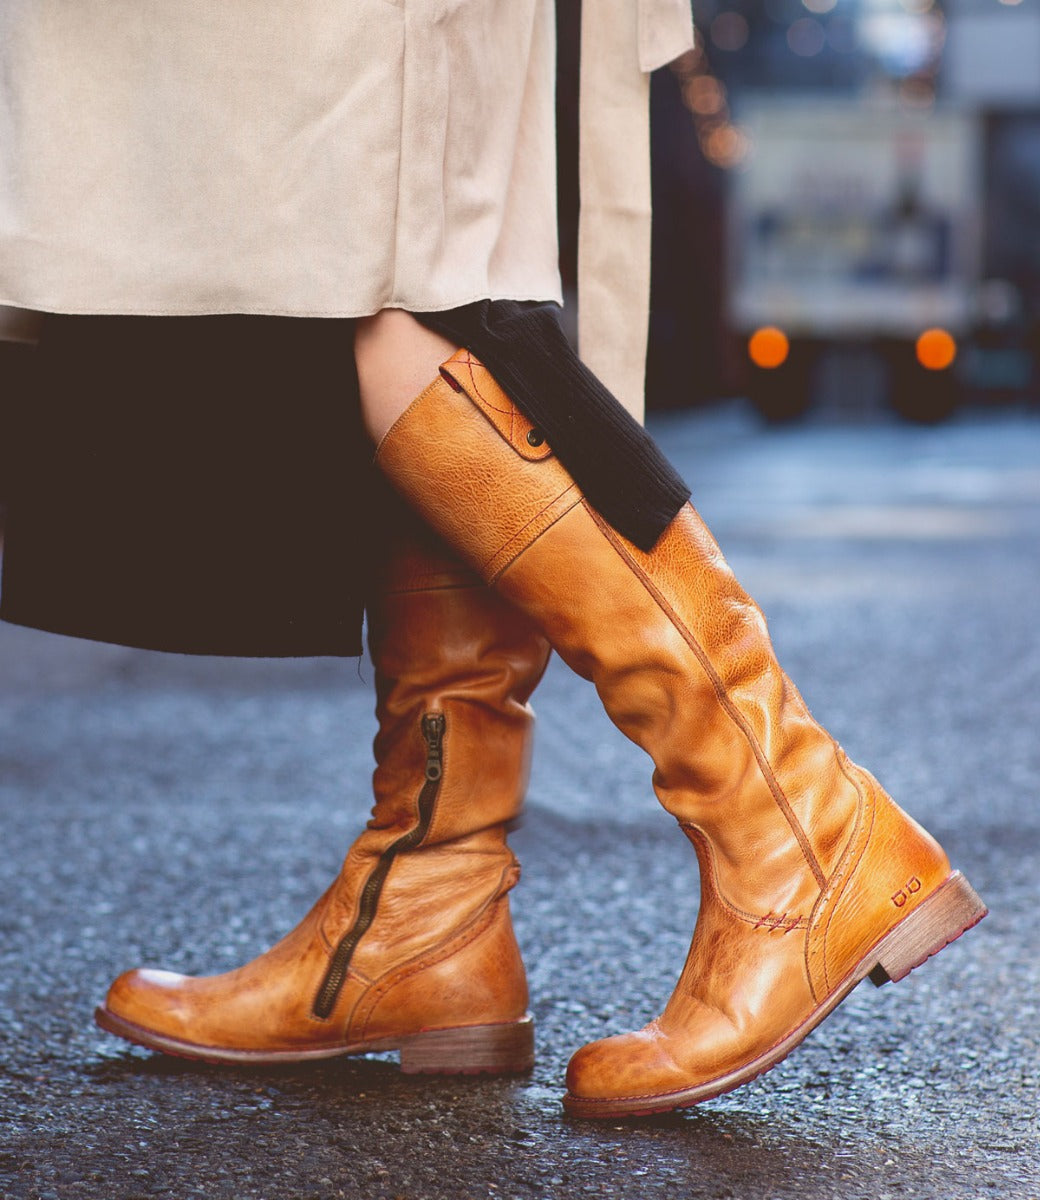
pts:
pixel 204 484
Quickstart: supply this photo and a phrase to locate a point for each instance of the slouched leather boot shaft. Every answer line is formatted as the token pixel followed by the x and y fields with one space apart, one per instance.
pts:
pixel 811 877
pixel 411 947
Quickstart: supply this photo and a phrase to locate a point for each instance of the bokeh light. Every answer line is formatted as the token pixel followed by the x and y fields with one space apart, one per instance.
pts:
pixel 725 145
pixel 705 95
pixel 768 347
pixel 936 349
pixel 729 31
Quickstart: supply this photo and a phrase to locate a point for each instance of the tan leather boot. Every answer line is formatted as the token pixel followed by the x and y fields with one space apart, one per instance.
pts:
pixel 411 948
pixel 811 877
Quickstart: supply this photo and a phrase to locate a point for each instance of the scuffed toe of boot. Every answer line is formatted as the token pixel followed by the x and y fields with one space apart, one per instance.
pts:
pixel 725 1024
pixel 257 1013
pixel 146 1006
pixel 626 1075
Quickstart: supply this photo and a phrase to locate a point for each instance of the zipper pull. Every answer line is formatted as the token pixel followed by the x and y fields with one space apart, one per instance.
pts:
pixel 433 732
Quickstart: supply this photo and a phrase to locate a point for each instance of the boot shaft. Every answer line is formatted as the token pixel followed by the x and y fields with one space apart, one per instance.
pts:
pixel 455 665
pixel 677 650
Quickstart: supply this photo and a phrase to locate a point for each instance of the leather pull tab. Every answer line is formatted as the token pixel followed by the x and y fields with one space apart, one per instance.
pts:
pixel 467 374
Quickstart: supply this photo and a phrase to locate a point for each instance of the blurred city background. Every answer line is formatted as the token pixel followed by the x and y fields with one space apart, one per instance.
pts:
pixel 842 177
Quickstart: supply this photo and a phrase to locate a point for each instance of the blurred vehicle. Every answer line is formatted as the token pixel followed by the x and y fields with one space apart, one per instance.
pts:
pixel 855 237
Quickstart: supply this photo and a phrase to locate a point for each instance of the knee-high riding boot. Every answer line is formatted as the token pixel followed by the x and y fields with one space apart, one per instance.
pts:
pixel 411 948
pixel 811 877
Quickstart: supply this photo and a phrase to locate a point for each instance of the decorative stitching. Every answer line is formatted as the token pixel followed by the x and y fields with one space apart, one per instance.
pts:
pixel 544 519
pixel 512 421
pixel 509 411
pixel 781 922
pixel 770 921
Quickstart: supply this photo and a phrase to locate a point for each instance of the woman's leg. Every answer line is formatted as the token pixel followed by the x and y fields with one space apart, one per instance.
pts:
pixel 811 877
pixel 396 358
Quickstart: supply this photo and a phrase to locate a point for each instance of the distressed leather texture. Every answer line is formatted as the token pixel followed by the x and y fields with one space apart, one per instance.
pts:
pixel 505 509
pixel 800 851
pixel 440 952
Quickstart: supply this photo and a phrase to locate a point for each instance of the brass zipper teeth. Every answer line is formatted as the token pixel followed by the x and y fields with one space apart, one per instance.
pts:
pixel 433 726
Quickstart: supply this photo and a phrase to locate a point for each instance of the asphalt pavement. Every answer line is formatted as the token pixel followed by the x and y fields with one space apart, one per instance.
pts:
pixel 185 812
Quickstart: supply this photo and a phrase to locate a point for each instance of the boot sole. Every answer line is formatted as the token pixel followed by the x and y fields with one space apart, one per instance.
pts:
pixel 952 909
pixel 500 1049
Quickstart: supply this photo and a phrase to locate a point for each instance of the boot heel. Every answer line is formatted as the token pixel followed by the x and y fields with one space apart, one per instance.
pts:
pixel 947 913
pixel 471 1050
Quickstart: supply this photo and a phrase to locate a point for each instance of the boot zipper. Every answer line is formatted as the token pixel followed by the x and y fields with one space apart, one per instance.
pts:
pixel 433 734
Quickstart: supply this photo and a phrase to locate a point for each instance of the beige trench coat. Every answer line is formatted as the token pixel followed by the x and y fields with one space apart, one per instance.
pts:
pixel 318 158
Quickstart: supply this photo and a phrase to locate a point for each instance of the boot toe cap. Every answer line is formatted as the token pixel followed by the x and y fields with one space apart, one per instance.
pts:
pixel 629 1067
pixel 149 1000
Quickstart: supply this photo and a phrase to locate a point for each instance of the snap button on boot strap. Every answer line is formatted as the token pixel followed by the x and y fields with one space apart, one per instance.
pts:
pixel 468 375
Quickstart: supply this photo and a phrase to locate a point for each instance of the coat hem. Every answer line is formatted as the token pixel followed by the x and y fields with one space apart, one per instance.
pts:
pixel 263 310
